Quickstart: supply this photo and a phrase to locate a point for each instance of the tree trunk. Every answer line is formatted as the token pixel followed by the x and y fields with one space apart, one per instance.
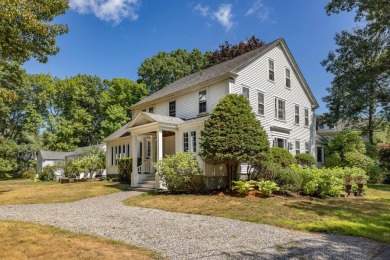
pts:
pixel 231 168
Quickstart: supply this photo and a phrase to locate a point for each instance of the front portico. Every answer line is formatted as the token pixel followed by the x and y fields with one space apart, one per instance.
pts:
pixel 159 137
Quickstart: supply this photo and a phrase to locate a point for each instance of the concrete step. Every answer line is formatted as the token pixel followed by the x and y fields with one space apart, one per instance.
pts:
pixel 147 182
pixel 147 185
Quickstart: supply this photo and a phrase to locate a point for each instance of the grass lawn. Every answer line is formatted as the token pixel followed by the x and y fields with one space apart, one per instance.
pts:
pixel 21 240
pixel 367 217
pixel 21 191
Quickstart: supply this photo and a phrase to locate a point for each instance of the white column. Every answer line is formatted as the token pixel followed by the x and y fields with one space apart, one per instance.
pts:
pixel 152 151
pixel 134 149
pixel 159 144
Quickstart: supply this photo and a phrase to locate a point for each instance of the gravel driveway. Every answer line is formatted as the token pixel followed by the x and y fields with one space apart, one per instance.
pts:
pixel 186 236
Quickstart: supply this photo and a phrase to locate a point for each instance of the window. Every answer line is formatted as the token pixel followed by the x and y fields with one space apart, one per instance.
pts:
pixel 280 109
pixel 148 149
pixel 297 114
pixel 193 141
pixel 151 110
pixel 128 151
pixel 320 154
pixel 245 92
pixel 260 103
pixel 202 102
pixel 185 142
pixel 112 155
pixel 280 142
pixel 307 147
pixel 172 108
pixel 306 117
pixel 288 81
pixel 297 147
pixel 143 110
pixel 271 73
pixel 116 154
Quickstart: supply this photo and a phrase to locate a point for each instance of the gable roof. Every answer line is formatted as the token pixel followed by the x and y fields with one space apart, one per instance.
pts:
pixel 155 118
pixel 81 150
pixel 49 155
pixel 121 132
pixel 226 68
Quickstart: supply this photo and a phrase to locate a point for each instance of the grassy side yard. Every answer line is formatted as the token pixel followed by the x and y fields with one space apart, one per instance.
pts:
pixel 29 192
pixel 21 240
pixel 367 217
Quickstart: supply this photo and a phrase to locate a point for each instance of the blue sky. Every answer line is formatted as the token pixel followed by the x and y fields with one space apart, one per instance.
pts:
pixel 110 38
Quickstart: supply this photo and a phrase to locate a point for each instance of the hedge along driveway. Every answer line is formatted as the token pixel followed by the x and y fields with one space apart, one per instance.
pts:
pixel 189 236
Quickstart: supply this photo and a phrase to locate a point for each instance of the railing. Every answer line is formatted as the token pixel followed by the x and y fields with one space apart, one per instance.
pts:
pixel 146 167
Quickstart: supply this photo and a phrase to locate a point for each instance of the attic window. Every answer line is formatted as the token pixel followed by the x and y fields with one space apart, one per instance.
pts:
pixel 151 109
pixel 271 72
pixel 288 81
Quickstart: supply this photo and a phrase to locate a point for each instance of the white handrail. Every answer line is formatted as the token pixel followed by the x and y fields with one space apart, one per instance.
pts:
pixel 147 166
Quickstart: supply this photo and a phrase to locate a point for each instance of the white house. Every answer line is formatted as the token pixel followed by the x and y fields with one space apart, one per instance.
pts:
pixel 172 119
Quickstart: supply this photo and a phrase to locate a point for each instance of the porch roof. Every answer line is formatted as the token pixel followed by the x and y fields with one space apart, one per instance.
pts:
pixel 145 118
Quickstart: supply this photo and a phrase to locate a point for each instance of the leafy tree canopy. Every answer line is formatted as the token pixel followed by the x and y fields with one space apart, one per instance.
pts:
pixel 233 135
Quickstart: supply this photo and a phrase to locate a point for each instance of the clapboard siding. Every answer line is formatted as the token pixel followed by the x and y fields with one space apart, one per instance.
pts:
pixel 255 77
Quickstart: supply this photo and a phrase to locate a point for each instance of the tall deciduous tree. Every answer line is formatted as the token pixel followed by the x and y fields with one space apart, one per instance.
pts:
pixel 164 68
pixel 233 135
pixel 361 65
pixel 116 102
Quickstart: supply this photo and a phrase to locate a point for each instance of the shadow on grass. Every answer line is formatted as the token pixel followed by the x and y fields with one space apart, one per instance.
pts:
pixel 382 187
pixel 119 186
pixel 365 218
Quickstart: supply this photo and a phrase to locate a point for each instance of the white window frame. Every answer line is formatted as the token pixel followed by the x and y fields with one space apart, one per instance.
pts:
pixel 307 121
pixel 307 147
pixel 202 101
pixel 260 103
pixel 249 92
pixel 322 154
pixel 276 108
pixel 297 146
pixel 285 142
pixel 297 116
pixel 269 70
pixel 186 147
pixel 151 110
pixel 287 78
pixel 193 139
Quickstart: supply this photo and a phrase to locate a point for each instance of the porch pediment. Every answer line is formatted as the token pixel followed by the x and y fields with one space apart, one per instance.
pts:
pixel 145 118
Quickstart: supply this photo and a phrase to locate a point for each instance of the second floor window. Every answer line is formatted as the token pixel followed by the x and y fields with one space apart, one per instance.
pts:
pixel 296 115
pixel 271 71
pixel 245 92
pixel 172 108
pixel 202 102
pixel 280 109
pixel 306 117
pixel 288 81
pixel 260 103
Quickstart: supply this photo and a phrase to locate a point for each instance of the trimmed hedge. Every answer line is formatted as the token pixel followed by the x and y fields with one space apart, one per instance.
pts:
pixel 305 159
pixel 282 156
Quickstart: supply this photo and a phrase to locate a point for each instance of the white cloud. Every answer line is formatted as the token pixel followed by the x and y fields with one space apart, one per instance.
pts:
pixel 203 10
pixel 107 10
pixel 258 8
pixel 224 16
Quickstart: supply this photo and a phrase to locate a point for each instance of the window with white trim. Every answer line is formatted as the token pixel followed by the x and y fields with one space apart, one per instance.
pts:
pixel 112 155
pixel 260 103
pixel 151 110
pixel 148 149
pixel 202 101
pixel 280 109
pixel 245 92
pixel 320 154
pixel 297 147
pixel 193 141
pixel 307 147
pixel 296 115
pixel 306 117
pixel 280 142
pixel 271 70
pixel 185 142
pixel 172 108
pixel 288 80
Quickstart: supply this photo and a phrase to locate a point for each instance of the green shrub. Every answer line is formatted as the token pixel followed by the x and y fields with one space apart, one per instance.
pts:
pixel 48 173
pixel 282 156
pixel 267 187
pixel 243 187
pixel 178 171
pixel 29 174
pixel 286 178
pixel 305 159
pixel 125 169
